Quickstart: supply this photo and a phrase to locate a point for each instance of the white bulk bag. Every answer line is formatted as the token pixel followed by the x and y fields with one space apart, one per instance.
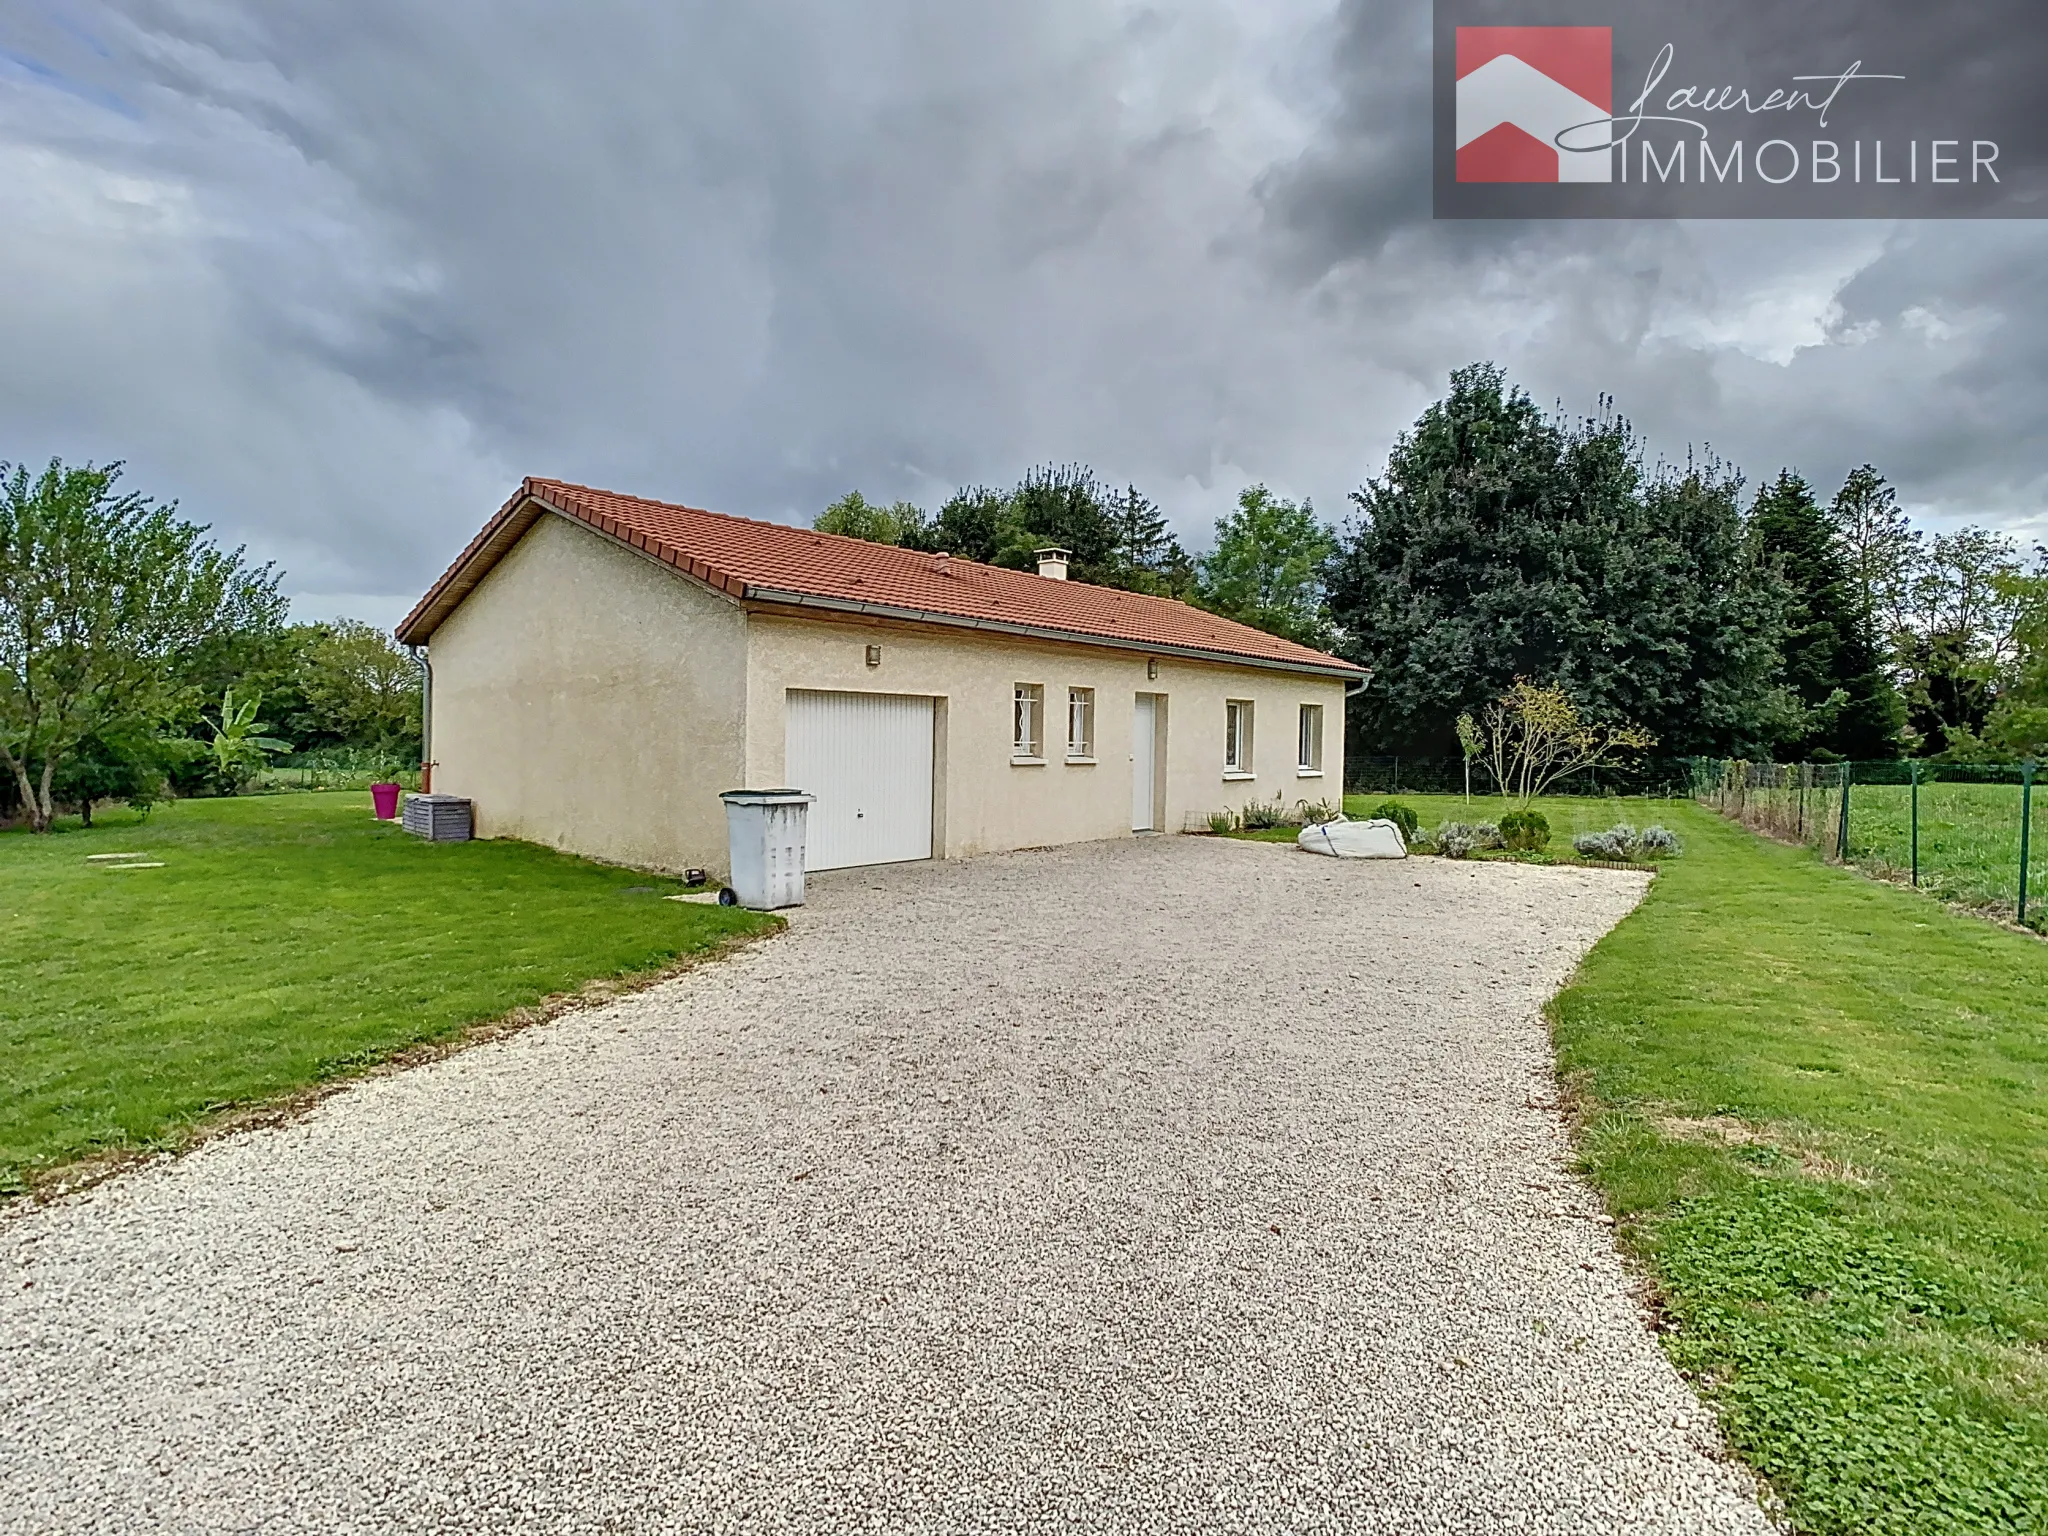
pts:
pixel 1355 840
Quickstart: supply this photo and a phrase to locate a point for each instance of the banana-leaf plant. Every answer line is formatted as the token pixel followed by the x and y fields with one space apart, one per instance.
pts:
pixel 240 747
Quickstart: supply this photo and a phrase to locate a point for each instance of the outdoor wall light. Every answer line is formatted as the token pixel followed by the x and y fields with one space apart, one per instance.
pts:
pixel 874 655
pixel 1151 667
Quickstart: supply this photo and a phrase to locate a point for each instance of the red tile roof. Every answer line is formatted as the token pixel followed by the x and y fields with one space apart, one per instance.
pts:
pixel 775 563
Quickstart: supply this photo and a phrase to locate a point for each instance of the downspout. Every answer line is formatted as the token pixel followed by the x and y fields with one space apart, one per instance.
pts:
pixel 419 659
pixel 1351 691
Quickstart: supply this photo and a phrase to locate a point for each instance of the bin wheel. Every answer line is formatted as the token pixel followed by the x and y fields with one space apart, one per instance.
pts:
pixel 728 897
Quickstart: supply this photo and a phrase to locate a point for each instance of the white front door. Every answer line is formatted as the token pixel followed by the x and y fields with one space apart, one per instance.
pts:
pixel 867 758
pixel 1144 744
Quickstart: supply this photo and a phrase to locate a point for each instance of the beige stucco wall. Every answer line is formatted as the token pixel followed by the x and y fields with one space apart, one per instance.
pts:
pixel 587 698
pixel 989 803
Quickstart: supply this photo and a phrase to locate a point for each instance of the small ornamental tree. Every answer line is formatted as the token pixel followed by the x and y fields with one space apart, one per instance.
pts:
pixel 1532 737
pixel 1470 744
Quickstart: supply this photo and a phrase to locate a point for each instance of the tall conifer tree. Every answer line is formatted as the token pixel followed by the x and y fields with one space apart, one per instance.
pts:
pixel 1832 663
pixel 1504 543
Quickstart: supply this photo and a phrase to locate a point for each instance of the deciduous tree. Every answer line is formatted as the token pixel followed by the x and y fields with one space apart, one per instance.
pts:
pixel 2018 723
pixel 974 523
pixel 1114 539
pixel 104 595
pixel 1957 642
pixel 361 688
pixel 857 517
pixel 1267 569
pixel 1531 737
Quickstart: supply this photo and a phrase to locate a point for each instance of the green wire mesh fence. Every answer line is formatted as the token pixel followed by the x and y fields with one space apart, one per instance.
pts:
pixel 1962 832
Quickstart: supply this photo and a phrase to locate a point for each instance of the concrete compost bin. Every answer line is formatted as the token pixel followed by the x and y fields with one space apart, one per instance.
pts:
pixel 764 837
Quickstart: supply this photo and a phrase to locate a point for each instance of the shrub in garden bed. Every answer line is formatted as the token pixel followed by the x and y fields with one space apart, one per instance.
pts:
pixel 1525 831
pixel 1616 843
pixel 1401 815
pixel 1623 844
pixel 1456 839
pixel 1659 843
pixel 1257 816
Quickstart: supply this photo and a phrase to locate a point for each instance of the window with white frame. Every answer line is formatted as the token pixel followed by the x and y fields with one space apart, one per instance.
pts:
pixel 1310 759
pixel 1027 734
pixel 1237 736
pixel 1081 722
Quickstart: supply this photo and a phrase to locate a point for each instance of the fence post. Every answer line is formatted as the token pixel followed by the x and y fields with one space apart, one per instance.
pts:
pixel 1805 773
pixel 1842 837
pixel 2026 826
pixel 1916 824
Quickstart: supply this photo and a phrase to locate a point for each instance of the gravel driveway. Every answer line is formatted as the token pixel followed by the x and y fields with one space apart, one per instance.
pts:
pixel 1178 1185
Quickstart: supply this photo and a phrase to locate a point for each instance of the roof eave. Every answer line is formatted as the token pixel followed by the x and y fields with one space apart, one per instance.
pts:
pixel 506 528
pixel 807 600
pixel 462 576
pixel 526 506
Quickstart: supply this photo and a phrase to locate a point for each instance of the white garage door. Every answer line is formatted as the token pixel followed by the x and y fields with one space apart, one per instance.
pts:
pixel 867 757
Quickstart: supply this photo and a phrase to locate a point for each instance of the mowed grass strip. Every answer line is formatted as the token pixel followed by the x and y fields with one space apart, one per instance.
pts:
pixel 286 941
pixel 1819 1105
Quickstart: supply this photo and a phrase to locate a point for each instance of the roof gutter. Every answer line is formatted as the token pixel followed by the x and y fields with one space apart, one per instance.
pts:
pixel 1047 632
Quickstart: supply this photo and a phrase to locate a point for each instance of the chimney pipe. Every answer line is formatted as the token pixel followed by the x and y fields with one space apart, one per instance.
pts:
pixel 1052 563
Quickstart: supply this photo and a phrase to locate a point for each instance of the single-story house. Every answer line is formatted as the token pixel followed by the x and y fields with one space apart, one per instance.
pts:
pixel 600 667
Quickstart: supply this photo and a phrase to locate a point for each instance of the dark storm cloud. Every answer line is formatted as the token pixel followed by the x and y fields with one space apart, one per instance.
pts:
pixel 339 275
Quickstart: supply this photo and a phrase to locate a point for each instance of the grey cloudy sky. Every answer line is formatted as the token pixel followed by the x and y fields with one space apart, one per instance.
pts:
pixel 336 275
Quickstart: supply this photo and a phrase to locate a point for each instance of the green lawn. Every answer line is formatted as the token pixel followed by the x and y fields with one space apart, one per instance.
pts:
pixel 1969 840
pixel 288 939
pixel 1819 1105
pixel 1969 831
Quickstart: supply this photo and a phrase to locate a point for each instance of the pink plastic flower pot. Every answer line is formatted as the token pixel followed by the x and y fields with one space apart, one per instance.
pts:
pixel 385 797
